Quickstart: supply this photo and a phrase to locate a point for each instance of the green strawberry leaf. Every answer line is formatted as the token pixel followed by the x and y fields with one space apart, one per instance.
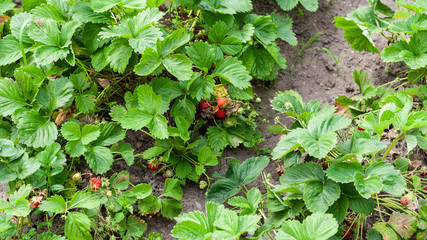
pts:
pixel 172 189
pixel 339 208
pixel 77 225
pixel 317 226
pixel 103 5
pixel 203 87
pixel 284 28
pixel 55 204
pixel 230 226
pixel 319 196
pixel 175 40
pixel 361 205
pixel 302 173
pixel 201 54
pixel 170 208
pixel 343 172
pixel 83 12
pixel 178 65
pixel 99 159
pixel 36 131
pixel 84 200
pixel 150 61
pixel 232 70
pixel 367 185
pixel 392 181
pixel 118 54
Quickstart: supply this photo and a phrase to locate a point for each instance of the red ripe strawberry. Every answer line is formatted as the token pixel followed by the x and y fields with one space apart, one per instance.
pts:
pixel 95 183
pixel 347 234
pixel 404 200
pixel 204 105
pixel 360 129
pixel 219 113
pixel 425 188
pixel 153 166
pixel 164 178
pixel 221 101
pixel 35 201
pixel 280 170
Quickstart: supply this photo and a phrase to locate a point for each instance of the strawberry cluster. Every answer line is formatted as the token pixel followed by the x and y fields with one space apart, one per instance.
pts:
pixel 95 183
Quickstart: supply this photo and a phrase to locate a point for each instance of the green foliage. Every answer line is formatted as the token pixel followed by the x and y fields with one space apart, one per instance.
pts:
pixel 237 176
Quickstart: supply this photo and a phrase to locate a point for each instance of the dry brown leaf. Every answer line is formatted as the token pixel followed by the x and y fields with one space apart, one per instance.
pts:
pixel 103 82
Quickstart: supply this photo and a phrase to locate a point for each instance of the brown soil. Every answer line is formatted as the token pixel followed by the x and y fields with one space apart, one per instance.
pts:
pixel 313 75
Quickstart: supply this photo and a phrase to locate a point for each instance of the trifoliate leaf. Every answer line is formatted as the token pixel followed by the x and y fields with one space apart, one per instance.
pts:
pixel 99 159
pixel 413 24
pixel 118 54
pixel 392 181
pixel 414 53
pixel 146 38
pixel 232 70
pixel 318 146
pixel 35 130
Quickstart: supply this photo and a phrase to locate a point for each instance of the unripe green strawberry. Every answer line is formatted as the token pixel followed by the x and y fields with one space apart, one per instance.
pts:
pixel 203 184
pixel 77 177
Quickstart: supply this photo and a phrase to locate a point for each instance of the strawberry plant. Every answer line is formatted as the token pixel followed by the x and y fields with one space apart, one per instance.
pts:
pixel 406 26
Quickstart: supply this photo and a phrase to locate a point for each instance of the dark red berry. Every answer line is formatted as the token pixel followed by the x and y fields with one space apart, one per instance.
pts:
pixel 219 113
